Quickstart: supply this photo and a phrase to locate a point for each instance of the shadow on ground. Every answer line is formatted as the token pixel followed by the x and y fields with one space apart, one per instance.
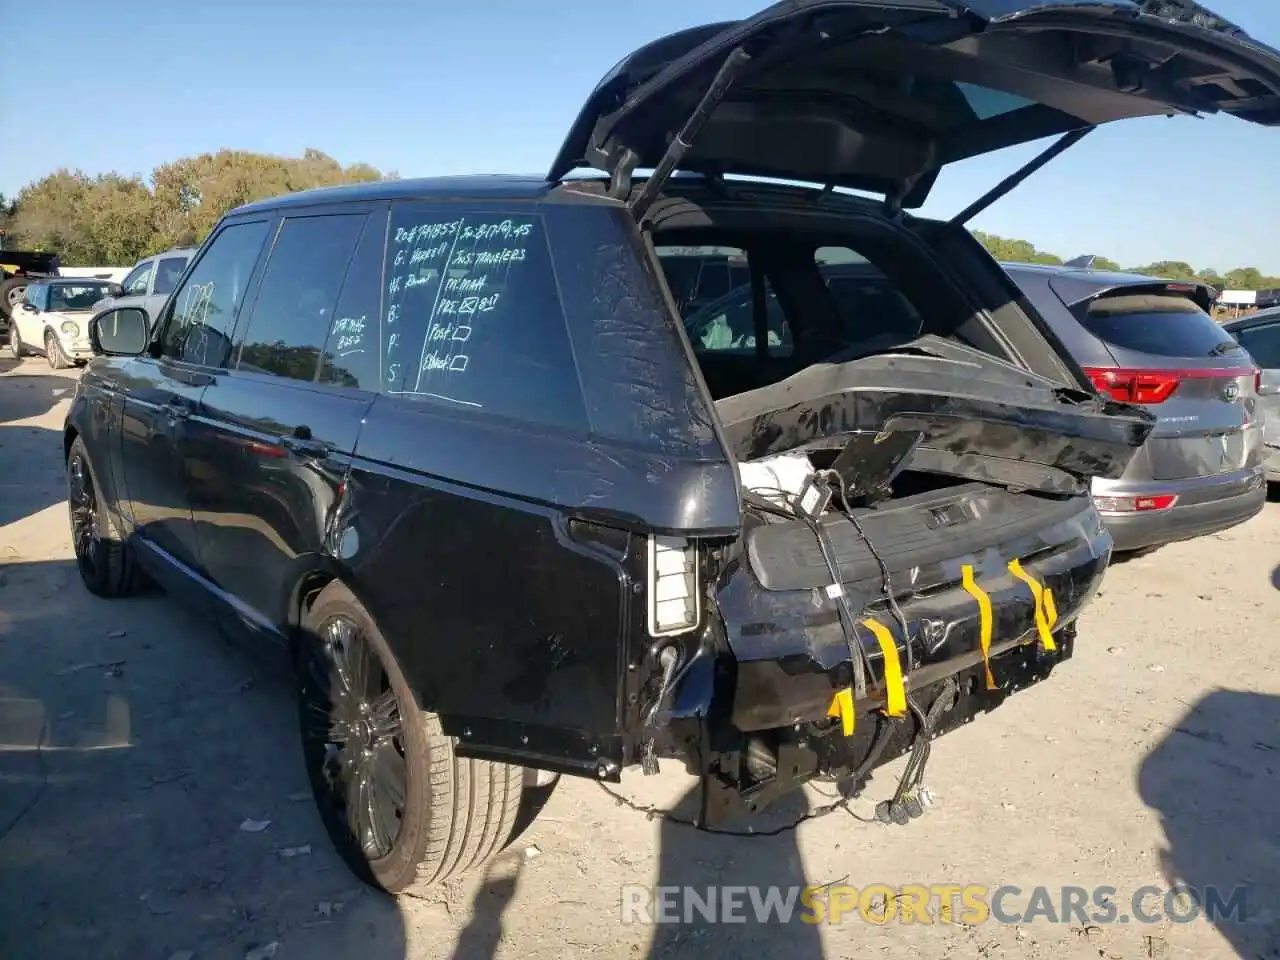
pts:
pixel 30 467
pixel 1213 781
pixel 152 795
pixel 696 860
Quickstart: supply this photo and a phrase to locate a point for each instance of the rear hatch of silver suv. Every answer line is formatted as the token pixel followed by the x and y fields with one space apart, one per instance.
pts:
pixel 1151 342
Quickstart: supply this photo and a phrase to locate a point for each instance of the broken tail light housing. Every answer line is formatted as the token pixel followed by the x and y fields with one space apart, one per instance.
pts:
pixel 1145 504
pixel 1150 386
pixel 674 603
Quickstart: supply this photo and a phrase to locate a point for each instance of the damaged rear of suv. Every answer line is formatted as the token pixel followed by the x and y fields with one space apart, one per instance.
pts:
pixel 555 533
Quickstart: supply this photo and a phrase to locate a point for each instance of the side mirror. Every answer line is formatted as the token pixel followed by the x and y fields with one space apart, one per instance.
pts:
pixel 1269 383
pixel 120 333
pixel 30 308
pixel 115 290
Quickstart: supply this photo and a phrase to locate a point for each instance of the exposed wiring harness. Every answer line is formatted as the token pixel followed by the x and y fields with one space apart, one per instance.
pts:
pixel 910 798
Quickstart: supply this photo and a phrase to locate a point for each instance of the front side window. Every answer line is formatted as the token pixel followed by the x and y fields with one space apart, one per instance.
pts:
pixel 205 306
pixel 168 273
pixel 472 317
pixel 34 295
pixel 135 284
pixel 293 309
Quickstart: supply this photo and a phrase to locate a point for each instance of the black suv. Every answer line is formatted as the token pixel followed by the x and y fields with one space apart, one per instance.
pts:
pixel 449 441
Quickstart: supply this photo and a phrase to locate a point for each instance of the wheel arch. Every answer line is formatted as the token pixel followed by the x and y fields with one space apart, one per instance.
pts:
pixel 305 586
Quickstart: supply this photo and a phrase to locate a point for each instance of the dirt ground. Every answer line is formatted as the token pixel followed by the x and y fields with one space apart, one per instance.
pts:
pixel 137 747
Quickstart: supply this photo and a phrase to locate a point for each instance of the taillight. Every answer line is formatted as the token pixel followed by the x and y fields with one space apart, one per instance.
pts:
pixel 1149 386
pixel 1158 501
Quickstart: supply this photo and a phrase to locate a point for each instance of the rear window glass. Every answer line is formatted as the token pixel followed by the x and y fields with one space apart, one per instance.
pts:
pixel 1162 326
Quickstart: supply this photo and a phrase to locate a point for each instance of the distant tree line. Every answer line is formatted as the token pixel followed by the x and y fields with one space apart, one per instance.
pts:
pixel 1241 278
pixel 114 220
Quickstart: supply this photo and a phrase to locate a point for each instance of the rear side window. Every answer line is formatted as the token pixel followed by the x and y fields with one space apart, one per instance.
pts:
pixel 351 353
pixel 294 307
pixel 168 273
pixel 1263 344
pixel 472 317
pixel 1163 326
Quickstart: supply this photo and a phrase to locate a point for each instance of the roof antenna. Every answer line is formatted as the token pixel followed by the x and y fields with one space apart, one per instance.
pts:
pixel 1084 262
pixel 683 140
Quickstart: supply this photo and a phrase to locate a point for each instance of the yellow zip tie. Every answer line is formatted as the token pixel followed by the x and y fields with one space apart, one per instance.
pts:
pixel 842 707
pixel 984 619
pixel 895 691
pixel 1043 623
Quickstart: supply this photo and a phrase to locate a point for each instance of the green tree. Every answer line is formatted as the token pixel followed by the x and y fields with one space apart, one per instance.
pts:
pixel 114 220
pixel 1014 251
pixel 1245 278
pixel 1168 270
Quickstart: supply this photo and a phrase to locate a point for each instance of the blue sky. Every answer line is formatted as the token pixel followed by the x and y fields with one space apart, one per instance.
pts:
pixel 441 87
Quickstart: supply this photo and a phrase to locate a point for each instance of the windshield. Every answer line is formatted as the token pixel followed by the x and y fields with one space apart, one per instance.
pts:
pixel 77 297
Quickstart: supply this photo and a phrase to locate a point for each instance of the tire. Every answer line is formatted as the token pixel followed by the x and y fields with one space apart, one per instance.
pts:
pixel 104 559
pixel 7 292
pixel 53 352
pixel 441 815
pixel 16 349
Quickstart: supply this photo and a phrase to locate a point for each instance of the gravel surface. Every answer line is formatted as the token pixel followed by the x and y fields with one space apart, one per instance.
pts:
pixel 153 803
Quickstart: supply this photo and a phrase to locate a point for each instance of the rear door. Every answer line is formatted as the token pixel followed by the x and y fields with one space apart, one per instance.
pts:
pixel 278 427
pixel 1172 357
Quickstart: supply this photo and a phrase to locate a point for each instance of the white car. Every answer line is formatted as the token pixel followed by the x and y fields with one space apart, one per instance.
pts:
pixel 53 319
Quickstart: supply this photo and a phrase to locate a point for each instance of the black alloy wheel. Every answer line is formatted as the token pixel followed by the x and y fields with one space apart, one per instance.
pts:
pixel 86 526
pixel 353 736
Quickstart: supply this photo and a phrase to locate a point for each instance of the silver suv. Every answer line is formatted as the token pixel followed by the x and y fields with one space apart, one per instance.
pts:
pixel 1151 342
pixel 150 282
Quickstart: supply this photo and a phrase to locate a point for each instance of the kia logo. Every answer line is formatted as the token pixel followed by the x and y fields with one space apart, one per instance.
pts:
pixel 1231 391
